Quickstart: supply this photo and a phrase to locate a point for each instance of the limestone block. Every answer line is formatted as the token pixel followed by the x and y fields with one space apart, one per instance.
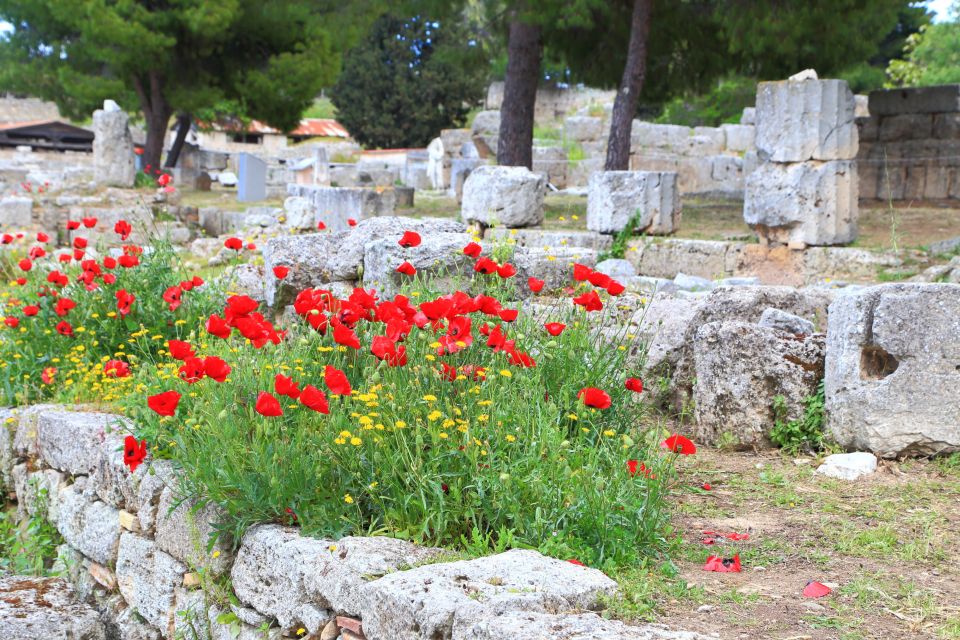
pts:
pixel 892 354
pixel 938 99
pixel 113 157
pixel 806 202
pixel 71 440
pixel 615 198
pixel 740 368
pixel 32 608
pixel 185 530
pixel 440 256
pixel 582 128
pixel 91 527
pixel 740 138
pixel 805 120
pixel 148 579
pixel 16 213
pixel 508 196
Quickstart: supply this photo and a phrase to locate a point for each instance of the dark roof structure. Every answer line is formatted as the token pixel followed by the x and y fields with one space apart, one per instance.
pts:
pixel 49 135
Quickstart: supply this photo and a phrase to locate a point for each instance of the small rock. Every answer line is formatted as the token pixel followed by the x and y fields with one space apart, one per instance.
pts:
pixel 848 466
pixel 806 74
pixel 813 607
pixel 331 631
pixel 705 608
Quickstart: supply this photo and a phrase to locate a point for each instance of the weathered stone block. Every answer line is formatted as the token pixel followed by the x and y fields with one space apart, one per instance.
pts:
pixel 508 196
pixel 113 158
pixel 891 370
pixel 545 239
pixel 740 138
pixel 939 99
pixel 807 202
pixel 582 128
pixel 805 120
pixel 650 199
pixel 336 206
pixel 429 601
pixel 554 265
pixel 740 368
pixel 16 213
pixel 91 527
pixel 550 626
pixel 71 440
pixel 552 162
pixel 907 126
pixel 439 256
pixel 667 258
pixel 663 136
pixel 32 608
pixel 148 580
pixel 185 530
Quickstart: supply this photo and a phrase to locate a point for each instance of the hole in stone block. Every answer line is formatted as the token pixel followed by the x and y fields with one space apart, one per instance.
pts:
pixel 876 363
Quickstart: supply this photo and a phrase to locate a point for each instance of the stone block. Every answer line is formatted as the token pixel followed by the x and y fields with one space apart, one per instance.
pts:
pixel 749 116
pixel 336 206
pixel 739 138
pixel 946 126
pixel 891 182
pixel 810 202
pixel 185 530
pixel 667 258
pixel 937 183
pixel 486 122
pixel 582 128
pixel 552 162
pixel 727 174
pixel 848 466
pixel 71 440
pixel 508 196
pixel 544 239
pixel 91 527
pixel 439 256
pixel 868 130
pixel 148 580
pixel 661 136
pixel 907 126
pixel 773 318
pixel 915 183
pixel 805 120
pixel 32 608
pixel 939 99
pixel 113 157
pixel 650 199
pixel 706 141
pixel 429 601
pixel 740 368
pixel 891 369
pixel 550 626
pixel 554 265
pixel 16 213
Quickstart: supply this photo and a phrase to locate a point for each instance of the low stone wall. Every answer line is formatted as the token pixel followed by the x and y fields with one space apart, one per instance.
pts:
pixel 334 206
pixel 142 556
pixel 910 144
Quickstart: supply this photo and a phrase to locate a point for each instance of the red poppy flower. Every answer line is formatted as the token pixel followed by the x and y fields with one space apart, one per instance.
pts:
pixel 281 272
pixel 679 444
pixel 48 374
pixel 180 350
pixel 217 326
pixel 321 225
pixel 268 406
pixel 164 180
pixel 407 269
pixel 134 452
pixel 485 266
pixel 64 328
pixel 598 279
pixel 506 270
pixel 124 301
pixel 63 306
pixel 632 466
pixel 89 223
pixel 473 250
pixel 31 310
pixel 73 225
pixel 535 285
pixel 123 229
pixel 172 296
pixel 410 239
pixel 816 589
pixel 235 244
pixel 634 384
pixel 554 328
pixel 344 335
pixel 706 486
pixel 192 370
pixel 336 381
pixel 593 397
pixel 78 254
pixel 286 386
pixel 25 264
pixel 216 368
pixel 109 262
pixel 251 246
pixel 241 305
pixel 116 369
pixel 313 398
pixel 351 222
pixel 21 281
pixel 79 243
pixel 576 562
pixel 128 261
pixel 42 237
pixel 6 238
pixel 723 565
pixel 165 404
pixel 615 288
pixel 12 321
pixel 386 349
pixel 581 272
pixel 508 315
pixel 590 301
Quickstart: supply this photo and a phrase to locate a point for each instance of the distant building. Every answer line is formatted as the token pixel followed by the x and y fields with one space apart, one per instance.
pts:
pixel 46 135
pixel 257 137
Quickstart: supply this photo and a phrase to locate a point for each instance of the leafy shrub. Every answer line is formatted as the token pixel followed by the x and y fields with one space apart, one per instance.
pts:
pixel 804 434
pixel 29 549
pixel 722 104
pixel 460 444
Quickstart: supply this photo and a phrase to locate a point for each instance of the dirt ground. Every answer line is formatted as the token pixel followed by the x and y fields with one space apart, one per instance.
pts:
pixel 887 545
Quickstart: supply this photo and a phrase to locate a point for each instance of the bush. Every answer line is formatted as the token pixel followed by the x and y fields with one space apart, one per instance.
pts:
pixel 723 104
pixel 805 434
pixel 64 322
pixel 29 548
pixel 450 443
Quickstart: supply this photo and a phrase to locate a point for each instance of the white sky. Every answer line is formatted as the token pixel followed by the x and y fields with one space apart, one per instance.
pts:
pixel 941 7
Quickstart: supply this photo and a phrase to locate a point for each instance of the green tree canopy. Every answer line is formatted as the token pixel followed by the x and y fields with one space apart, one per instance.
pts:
pixel 408 79
pixel 932 56
pixel 174 57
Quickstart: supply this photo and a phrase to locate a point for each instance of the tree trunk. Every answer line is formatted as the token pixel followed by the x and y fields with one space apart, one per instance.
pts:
pixel 625 104
pixel 184 120
pixel 524 49
pixel 157 114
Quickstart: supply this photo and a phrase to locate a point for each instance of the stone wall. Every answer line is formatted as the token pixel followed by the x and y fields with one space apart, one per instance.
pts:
pixel 554 103
pixel 14 109
pixel 910 144
pixel 142 556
